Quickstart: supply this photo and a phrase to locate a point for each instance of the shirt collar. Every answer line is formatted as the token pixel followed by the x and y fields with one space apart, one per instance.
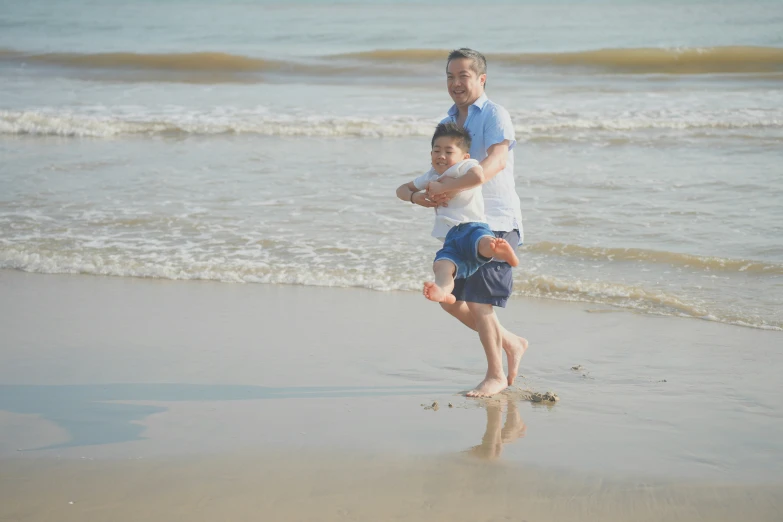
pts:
pixel 479 104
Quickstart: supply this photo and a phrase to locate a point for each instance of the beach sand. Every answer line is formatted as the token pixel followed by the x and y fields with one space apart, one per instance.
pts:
pixel 139 399
pixel 342 487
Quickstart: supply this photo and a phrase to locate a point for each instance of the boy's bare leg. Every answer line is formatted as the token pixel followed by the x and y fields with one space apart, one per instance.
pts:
pixel 491 337
pixel 514 345
pixel 490 247
pixel 440 290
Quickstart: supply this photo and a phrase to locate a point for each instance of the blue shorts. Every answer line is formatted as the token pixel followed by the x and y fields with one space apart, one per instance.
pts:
pixel 492 283
pixel 461 248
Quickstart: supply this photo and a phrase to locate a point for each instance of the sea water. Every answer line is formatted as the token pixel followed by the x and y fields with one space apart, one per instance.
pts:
pixel 262 142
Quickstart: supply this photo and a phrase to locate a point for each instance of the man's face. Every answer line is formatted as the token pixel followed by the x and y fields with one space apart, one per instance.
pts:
pixel 445 153
pixel 465 86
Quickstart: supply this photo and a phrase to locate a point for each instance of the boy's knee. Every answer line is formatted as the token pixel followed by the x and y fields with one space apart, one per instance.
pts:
pixel 444 265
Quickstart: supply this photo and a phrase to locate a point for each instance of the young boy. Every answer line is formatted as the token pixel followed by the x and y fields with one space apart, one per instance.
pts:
pixel 468 240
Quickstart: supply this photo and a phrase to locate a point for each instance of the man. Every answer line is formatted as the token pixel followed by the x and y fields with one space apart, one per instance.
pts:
pixel 492 145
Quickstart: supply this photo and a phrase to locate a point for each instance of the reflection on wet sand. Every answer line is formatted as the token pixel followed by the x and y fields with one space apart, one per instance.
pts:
pixel 286 482
pixel 496 436
pixel 101 414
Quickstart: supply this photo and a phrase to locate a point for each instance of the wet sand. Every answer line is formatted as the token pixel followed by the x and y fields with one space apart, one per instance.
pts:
pixel 160 400
pixel 336 487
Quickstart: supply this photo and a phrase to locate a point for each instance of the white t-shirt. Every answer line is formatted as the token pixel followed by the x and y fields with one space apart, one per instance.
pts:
pixel 466 207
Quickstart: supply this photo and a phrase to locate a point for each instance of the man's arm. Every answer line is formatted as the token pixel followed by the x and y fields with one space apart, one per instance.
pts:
pixel 409 192
pixel 447 184
pixel 495 162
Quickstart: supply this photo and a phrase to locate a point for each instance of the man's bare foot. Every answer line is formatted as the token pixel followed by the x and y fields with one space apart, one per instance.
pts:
pixel 489 387
pixel 503 251
pixel 514 353
pixel 435 293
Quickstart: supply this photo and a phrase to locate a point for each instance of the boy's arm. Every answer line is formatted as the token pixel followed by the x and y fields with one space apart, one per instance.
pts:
pixel 448 185
pixel 409 192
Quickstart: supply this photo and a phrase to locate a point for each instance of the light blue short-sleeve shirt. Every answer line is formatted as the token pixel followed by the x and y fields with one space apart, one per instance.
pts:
pixel 488 124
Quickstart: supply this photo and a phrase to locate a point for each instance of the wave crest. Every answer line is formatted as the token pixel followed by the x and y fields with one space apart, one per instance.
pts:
pixel 616 294
pixel 712 264
pixel 65 124
pixel 193 62
pixel 110 123
pixel 709 60
pixel 706 60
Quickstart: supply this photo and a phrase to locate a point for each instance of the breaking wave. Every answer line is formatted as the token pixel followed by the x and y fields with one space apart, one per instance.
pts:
pixel 108 123
pixel 63 123
pixel 621 295
pixel 709 264
pixel 203 62
pixel 706 60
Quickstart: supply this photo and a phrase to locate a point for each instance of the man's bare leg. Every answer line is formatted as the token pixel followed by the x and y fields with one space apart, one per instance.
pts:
pixel 440 290
pixel 513 345
pixel 491 338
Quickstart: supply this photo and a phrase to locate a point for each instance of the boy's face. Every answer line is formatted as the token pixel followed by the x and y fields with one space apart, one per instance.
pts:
pixel 446 152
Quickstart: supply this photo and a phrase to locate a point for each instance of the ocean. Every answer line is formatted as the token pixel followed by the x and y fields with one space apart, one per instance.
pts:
pixel 262 142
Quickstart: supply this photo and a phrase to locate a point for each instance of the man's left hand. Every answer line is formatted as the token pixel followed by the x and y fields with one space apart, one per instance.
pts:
pixel 438 194
pixel 442 199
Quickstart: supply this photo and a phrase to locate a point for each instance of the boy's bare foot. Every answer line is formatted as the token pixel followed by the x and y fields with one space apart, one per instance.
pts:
pixel 435 293
pixel 503 251
pixel 489 387
pixel 514 354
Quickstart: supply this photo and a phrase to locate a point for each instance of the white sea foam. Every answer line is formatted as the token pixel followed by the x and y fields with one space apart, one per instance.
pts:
pixel 73 124
pixel 298 268
pixel 109 123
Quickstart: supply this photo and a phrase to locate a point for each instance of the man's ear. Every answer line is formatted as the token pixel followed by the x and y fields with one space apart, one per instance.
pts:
pixel 483 79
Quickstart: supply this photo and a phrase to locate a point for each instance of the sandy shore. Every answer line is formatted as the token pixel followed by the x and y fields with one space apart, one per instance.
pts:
pixel 196 400
pixel 338 487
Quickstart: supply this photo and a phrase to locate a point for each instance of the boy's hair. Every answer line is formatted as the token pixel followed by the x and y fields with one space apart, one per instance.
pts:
pixel 452 130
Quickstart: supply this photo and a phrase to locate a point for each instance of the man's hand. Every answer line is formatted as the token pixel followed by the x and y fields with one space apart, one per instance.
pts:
pixel 442 199
pixel 421 199
pixel 438 194
pixel 435 187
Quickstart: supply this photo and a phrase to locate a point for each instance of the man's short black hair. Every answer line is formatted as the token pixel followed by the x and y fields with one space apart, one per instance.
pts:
pixel 479 62
pixel 452 130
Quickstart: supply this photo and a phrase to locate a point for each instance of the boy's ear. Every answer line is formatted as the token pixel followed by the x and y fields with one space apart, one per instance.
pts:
pixel 466 156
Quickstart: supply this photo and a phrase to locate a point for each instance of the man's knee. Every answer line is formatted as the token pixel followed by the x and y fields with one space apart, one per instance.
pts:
pixel 480 309
pixel 452 308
